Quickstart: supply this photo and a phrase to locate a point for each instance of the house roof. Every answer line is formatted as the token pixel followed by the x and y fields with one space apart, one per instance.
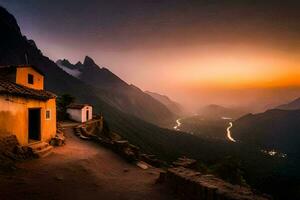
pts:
pixel 77 106
pixel 22 66
pixel 10 88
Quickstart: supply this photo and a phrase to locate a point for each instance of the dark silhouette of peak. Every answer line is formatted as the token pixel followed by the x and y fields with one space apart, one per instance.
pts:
pixel 78 64
pixel 88 61
pixel 66 62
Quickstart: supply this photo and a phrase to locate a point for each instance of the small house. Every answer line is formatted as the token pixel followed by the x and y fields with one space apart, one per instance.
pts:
pixel 26 109
pixel 80 112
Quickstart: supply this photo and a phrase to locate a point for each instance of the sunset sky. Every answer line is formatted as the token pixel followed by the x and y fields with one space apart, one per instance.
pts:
pixel 196 52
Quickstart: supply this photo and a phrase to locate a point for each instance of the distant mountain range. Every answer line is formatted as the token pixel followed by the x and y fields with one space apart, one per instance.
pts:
pixel 214 111
pixel 117 93
pixel 173 106
pixel 273 129
pixel 293 105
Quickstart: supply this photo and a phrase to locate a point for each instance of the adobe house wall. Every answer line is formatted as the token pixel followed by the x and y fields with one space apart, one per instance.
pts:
pixel 22 78
pixel 14 117
pixel 75 114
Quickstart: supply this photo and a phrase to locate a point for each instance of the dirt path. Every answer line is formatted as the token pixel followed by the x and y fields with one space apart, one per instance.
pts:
pixel 81 170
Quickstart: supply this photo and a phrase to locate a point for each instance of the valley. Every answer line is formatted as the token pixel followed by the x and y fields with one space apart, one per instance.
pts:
pixel 278 158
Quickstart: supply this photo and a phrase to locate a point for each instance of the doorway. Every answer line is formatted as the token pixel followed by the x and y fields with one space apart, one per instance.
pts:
pixel 34 124
pixel 87 115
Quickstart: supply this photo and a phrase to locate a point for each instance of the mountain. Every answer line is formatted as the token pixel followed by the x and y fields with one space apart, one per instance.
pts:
pixel 293 105
pixel 214 111
pixel 68 67
pixel 164 143
pixel 117 93
pixel 273 129
pixel 173 106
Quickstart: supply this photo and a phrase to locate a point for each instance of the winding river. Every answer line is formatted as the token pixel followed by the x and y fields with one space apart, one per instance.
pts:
pixel 229 132
pixel 178 124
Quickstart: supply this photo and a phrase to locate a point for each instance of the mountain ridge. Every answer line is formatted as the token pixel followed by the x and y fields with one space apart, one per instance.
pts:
pixel 293 105
pixel 118 93
pixel 217 111
pixel 173 106
pixel 272 129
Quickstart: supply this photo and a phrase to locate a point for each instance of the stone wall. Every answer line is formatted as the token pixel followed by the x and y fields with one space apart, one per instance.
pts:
pixel 8 142
pixel 94 130
pixel 11 151
pixel 190 184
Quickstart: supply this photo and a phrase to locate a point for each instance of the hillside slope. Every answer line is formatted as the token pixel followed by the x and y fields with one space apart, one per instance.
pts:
pixel 173 106
pixel 273 129
pixel 117 93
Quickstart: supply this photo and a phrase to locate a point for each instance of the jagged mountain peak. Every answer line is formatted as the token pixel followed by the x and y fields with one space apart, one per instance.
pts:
pixel 78 63
pixel 88 61
pixel 65 61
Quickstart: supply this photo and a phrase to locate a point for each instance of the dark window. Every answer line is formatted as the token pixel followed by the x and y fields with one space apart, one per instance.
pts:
pixel 48 114
pixel 30 78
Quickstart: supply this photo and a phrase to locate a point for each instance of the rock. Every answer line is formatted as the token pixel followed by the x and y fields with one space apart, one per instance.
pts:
pixel 142 165
pixel 58 140
pixel 18 150
pixel 185 162
pixel 152 160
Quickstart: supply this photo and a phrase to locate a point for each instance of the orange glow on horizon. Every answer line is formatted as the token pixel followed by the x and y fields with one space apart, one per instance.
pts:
pixel 238 69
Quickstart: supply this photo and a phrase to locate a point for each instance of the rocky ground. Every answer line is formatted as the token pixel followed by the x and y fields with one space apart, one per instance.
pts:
pixel 81 170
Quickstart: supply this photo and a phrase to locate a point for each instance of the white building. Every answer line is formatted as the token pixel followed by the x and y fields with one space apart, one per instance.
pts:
pixel 80 112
